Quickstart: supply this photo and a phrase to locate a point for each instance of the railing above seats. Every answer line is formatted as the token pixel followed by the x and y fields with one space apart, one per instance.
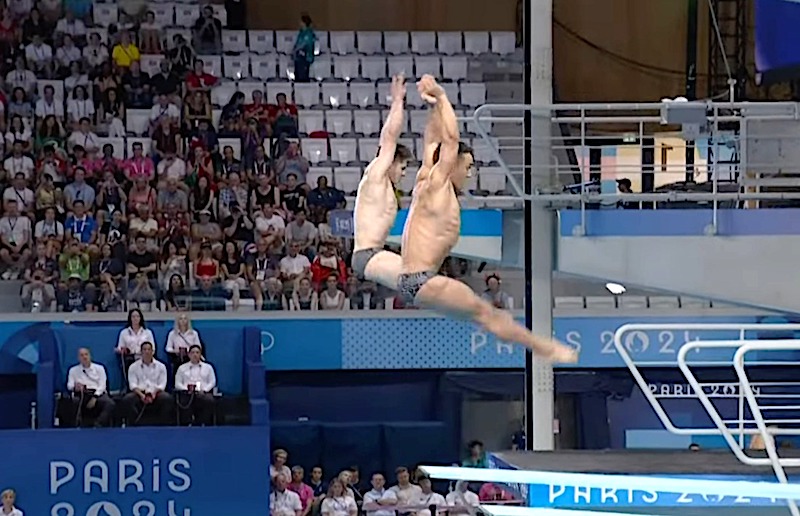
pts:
pixel 714 154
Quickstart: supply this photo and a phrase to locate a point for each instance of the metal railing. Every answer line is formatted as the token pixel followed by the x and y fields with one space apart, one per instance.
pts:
pixel 743 154
pixel 749 393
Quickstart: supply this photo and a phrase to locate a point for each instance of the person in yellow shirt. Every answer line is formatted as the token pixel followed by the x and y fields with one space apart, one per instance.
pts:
pixel 125 52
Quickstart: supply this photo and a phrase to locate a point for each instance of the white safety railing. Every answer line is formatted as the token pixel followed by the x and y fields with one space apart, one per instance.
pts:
pixel 739 154
pixel 748 392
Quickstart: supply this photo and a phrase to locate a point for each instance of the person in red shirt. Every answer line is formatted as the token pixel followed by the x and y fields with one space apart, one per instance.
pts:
pixel 325 264
pixel 283 117
pixel 259 109
pixel 198 79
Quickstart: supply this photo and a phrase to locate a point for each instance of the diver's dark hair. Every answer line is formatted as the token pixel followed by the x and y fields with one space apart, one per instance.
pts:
pixel 402 153
pixel 463 148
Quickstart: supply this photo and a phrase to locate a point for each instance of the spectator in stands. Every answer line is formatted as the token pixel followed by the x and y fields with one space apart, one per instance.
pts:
pixel 477 456
pixel 294 265
pixel 209 296
pixel 8 497
pixel 207 33
pixel 205 136
pixel 144 225
pixel 233 110
pixel 51 134
pixel 108 267
pixel 202 198
pixel 80 8
pixel 141 193
pixel 206 267
pixel 292 162
pixel 21 77
pixel 77 297
pixel 337 503
pixel 66 54
pixel 15 240
pixel 205 231
pixel 462 496
pixel 48 199
pixel 233 273
pixel 303 51
pixel 35 24
pixel 49 105
pixel 147 380
pixel 293 196
pixel 428 497
pixel 282 501
pixel 235 195
pixel 136 85
pixel 237 226
pixel 269 223
pixel 88 383
pixel 273 297
pixel 258 109
pixel 70 26
pixel 265 193
pixel 229 165
pixel 302 489
pixel 252 138
pixel 17 132
pixel 322 199
pixel 19 192
pixel 139 166
pixel 195 382
pixel 142 272
pixel 332 297
pixel 196 108
pixel 317 484
pixel 201 165
pixel 283 118
pixel 304 297
pixel 76 77
pixel 74 262
pixel 9 33
pixel 95 53
pixel 84 137
pixel 176 296
pixel 38 292
pixel 406 492
pixel 166 82
pixel 108 299
pixel 105 80
pixel 111 197
pixel 278 465
pixel 164 109
pixel 200 80
pixel 498 298
pixel 40 57
pixel 150 34
pixel 364 296
pixel 111 114
pixel 21 108
pixel 303 233
pixel 325 265
pixel 379 496
pixel 79 224
pixel 490 492
pixel 79 107
pixel 167 142
pixel 125 52
pixel 181 56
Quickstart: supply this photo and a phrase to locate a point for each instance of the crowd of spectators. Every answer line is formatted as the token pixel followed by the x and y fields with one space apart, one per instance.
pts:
pixel 178 220
pixel 347 494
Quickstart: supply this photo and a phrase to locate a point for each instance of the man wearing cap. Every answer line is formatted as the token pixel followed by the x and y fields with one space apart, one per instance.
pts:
pixel 624 186
pixel 195 382
pixel 76 297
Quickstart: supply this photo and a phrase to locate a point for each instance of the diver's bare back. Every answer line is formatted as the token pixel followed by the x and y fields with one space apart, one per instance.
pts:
pixel 375 209
pixel 433 225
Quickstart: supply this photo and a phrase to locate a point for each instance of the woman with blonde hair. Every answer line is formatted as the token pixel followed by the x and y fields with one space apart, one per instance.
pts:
pixel 180 339
pixel 9 496
pixel 337 503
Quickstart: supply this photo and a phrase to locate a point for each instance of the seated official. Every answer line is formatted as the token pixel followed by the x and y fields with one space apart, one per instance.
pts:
pixel 147 379
pixel 8 497
pixel 88 384
pixel 180 339
pixel 195 382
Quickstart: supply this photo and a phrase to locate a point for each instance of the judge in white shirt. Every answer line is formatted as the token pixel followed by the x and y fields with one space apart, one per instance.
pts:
pixel 147 380
pixel 462 496
pixel 283 502
pixel 88 384
pixel 194 387
pixel 337 503
pixel 180 339
pixel 9 497
pixel 131 338
pixel 379 496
